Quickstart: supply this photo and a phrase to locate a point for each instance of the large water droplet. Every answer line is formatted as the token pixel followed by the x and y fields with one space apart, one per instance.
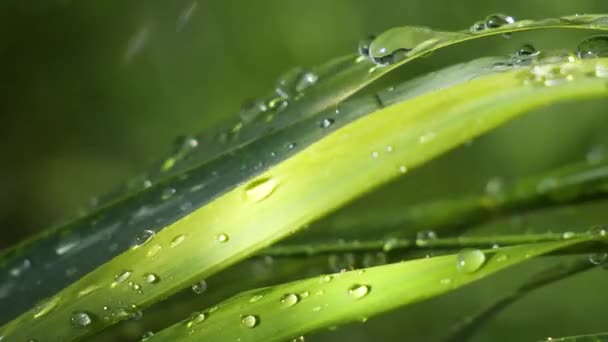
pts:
pixel 250 321
pixel 498 20
pixel 81 319
pixel 199 287
pixel 394 44
pixel 289 300
pixel 470 260
pixel 260 189
pixel 358 291
pixel 143 238
pixel 195 319
pixel 593 47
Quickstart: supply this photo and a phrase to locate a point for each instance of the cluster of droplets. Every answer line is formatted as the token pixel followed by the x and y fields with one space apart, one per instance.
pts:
pixel 492 21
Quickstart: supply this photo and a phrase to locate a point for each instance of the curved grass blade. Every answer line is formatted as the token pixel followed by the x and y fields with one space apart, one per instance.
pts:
pixel 466 329
pixel 59 257
pixel 576 183
pixel 269 206
pixel 285 311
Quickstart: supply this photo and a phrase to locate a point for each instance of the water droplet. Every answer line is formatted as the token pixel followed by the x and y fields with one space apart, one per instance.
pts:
pixel 567 235
pixel 256 298
pixel 177 240
pixel 363 47
pixel 298 339
pixel 358 291
pixel 290 146
pixel 168 193
pixel 252 109
pixel 143 238
pixel 45 307
pixel 598 258
pixel 325 123
pixel 81 319
pixel 250 321
pixel 147 335
pixel 402 168
pixel 470 260
pixel 477 27
pixel 261 188
pixel 375 154
pixel 151 278
pixel 222 238
pixel 153 250
pixel 304 294
pixel 317 309
pixel 593 47
pixel 498 20
pixel 325 279
pixel 121 277
pixel 500 257
pixel 527 51
pixel 88 290
pixel 423 237
pixel 20 268
pixel 394 44
pixel 199 287
pixel 195 319
pixel 290 300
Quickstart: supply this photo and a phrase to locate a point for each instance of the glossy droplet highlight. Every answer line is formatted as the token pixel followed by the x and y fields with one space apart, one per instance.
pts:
pixel 45 307
pixel 358 291
pixel 250 321
pixel 325 123
pixel 81 319
pixel 593 47
pixel 261 189
pixel 256 298
pixel 121 277
pixel 498 20
pixel 195 319
pixel 470 260
pixel 177 240
pixel 143 238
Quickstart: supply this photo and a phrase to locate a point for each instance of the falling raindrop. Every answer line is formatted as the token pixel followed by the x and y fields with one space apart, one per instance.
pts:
pixel 66 246
pixel 289 300
pixel 358 291
pixel 470 260
pixel 81 319
pixel 495 187
pixel 261 189
pixel 199 287
pixel 250 321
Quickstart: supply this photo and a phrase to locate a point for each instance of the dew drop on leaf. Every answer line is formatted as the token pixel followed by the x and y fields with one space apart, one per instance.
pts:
pixel 250 321
pixel 256 298
pixel 260 189
pixel 195 319
pixel 325 123
pixel 142 238
pixel 121 277
pixel 498 20
pixel 423 237
pixel 45 307
pixel 593 47
pixel 199 287
pixel 177 240
pixel 289 300
pixel 151 278
pixel 222 238
pixel 81 319
pixel 470 260
pixel 147 335
pixel 358 291
pixel 598 258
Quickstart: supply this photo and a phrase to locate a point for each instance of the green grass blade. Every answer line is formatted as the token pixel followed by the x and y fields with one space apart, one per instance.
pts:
pixel 285 311
pixel 601 337
pixel 354 159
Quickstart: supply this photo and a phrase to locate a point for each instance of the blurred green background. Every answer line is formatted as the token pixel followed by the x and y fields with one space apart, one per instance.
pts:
pixel 94 91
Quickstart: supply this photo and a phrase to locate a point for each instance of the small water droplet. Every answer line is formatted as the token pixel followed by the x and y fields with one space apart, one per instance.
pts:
pixel 177 240
pixel 325 279
pixel 424 237
pixel 261 189
pixel 500 257
pixel 222 238
pixel 151 278
pixel 598 258
pixel 325 123
pixel 45 307
pixel 375 154
pixel 250 321
pixel 445 281
pixel 567 235
pixel 593 47
pixel 153 250
pixel 527 51
pixel 402 168
pixel 143 238
pixel 147 335
pixel 66 246
pixel 425 138
pixel 498 20
pixel 256 298
pixel 199 287
pixel 195 319
pixel 289 300
pixel 304 294
pixel 290 146
pixel 306 80
pixel 363 47
pixel 81 319
pixel 478 26
pixel 358 291
pixel 121 277
pixel 470 260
